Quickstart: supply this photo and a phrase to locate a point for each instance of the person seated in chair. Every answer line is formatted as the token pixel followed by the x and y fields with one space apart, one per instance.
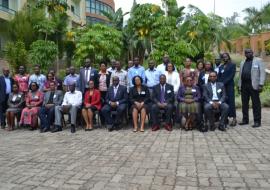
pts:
pixel 163 99
pixel 71 104
pixel 189 102
pixel 15 104
pixel 92 103
pixel 139 96
pixel 116 100
pixel 33 102
pixel 214 96
pixel 52 98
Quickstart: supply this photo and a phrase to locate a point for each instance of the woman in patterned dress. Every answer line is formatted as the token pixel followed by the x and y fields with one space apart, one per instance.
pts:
pixel 34 99
pixel 22 80
pixel 189 72
pixel 189 102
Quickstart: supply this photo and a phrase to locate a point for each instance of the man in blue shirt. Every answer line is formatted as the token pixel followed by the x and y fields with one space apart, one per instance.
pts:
pixel 71 78
pixel 151 76
pixel 136 70
pixel 5 89
pixel 37 77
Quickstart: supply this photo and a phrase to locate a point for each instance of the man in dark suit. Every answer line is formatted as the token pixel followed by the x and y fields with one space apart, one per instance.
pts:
pixel 163 99
pixel 214 96
pixel 52 98
pixel 116 100
pixel 86 74
pixel 6 83
pixel 251 81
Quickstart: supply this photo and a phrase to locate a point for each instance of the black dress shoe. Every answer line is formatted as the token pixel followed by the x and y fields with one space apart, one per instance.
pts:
pixel 73 129
pixel 56 129
pixel 256 125
pixel 222 128
pixel 243 123
pixel 45 130
pixel 204 129
pixel 110 128
pixel 212 128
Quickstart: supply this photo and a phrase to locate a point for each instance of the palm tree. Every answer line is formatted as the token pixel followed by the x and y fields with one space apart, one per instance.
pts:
pixel 253 19
pixel 116 19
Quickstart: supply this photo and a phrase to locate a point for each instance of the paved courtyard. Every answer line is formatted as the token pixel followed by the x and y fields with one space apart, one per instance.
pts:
pixel 180 160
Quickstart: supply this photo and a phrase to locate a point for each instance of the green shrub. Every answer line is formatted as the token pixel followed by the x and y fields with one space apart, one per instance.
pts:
pixel 16 55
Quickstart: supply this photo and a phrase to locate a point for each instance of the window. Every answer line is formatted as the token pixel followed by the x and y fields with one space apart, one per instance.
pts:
pixel 72 8
pixel 5 3
pixel 96 7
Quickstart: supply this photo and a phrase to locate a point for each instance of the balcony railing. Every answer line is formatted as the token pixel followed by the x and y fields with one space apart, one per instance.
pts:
pixel 6 9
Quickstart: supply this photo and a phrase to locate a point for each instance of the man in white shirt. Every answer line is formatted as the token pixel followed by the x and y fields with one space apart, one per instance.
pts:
pixel 120 73
pixel 71 104
pixel 162 67
pixel 214 96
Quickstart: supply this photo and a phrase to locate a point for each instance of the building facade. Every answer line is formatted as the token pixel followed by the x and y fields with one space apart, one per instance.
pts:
pixel 94 9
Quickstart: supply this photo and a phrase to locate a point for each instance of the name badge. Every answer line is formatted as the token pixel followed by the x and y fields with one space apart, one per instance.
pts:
pixel 14 98
pixel 19 96
pixel 143 92
pixel 193 90
pixel 92 74
pixel 255 66
pixel 222 71
pixel 192 70
pixel 35 97
pixel 169 91
pixel 54 96
pixel 219 90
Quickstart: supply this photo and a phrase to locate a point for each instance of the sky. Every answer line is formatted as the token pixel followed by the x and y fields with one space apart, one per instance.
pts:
pixel 223 8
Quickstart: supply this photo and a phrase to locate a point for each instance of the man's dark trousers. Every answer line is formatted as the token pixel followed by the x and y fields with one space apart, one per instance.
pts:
pixel 247 91
pixel 46 117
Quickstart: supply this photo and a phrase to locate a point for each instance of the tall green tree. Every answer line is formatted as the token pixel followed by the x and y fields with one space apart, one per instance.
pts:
pixel 98 42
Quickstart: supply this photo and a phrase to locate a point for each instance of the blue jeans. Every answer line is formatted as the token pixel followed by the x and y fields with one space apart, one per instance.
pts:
pixel 46 117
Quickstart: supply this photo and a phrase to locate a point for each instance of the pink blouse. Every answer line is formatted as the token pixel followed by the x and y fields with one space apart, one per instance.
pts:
pixel 22 81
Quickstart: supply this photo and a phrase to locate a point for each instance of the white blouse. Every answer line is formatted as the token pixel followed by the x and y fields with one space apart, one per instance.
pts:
pixel 173 79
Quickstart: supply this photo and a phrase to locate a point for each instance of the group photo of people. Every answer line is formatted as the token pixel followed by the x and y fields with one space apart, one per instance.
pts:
pixel 160 96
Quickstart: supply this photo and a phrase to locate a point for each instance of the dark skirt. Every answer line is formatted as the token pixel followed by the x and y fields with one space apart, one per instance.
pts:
pixel 92 108
pixel 146 106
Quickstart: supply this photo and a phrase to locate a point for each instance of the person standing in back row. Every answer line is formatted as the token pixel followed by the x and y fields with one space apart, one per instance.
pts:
pixel 86 74
pixel 251 81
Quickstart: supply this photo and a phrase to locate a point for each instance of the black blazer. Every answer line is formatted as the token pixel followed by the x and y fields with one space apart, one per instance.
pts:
pixel 226 74
pixel 208 93
pixel 108 78
pixel 201 79
pixel 93 76
pixel 121 95
pixel 3 88
pixel 134 95
pixel 169 94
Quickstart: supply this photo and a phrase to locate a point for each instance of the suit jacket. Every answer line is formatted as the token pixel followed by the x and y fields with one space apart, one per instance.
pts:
pixel 257 73
pixel 57 98
pixel 3 88
pixel 226 74
pixel 121 95
pixel 169 94
pixel 93 76
pixel 18 102
pixel 95 100
pixel 144 96
pixel 208 93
